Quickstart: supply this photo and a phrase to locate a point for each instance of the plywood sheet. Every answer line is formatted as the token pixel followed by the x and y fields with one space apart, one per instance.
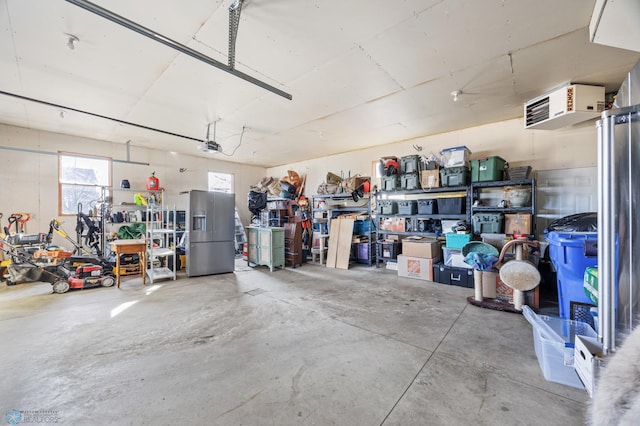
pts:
pixel 344 243
pixel 332 251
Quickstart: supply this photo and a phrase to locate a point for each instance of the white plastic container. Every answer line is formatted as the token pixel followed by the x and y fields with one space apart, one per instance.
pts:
pixel 553 339
pixel 457 156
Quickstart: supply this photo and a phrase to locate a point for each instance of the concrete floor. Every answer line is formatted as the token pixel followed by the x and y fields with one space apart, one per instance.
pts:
pixel 301 346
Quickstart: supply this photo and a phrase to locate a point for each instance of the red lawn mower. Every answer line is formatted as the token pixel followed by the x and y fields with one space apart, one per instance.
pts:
pixel 60 276
pixel 84 276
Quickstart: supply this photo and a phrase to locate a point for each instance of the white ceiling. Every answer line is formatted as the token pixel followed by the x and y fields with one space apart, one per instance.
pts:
pixel 361 72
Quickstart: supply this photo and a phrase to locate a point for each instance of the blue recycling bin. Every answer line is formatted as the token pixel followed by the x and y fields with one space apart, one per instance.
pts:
pixel 566 250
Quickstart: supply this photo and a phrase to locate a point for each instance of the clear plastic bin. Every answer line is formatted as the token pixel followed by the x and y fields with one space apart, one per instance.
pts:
pixel 553 339
pixel 457 156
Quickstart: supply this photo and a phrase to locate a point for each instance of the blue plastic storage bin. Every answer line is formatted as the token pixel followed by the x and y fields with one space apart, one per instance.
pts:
pixel 566 250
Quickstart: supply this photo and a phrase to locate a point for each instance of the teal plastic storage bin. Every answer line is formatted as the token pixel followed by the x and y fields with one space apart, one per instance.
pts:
pixel 566 250
pixel 487 169
pixel 457 240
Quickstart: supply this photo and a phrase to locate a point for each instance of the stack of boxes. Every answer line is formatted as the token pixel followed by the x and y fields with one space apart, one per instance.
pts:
pixel 419 255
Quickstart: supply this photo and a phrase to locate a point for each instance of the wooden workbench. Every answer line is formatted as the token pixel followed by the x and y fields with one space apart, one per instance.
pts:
pixel 138 247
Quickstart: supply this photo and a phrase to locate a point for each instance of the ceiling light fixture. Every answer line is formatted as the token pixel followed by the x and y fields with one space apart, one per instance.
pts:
pixel 71 40
pixel 456 94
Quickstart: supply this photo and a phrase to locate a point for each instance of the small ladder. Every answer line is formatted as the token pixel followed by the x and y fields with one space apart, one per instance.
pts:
pixel 240 235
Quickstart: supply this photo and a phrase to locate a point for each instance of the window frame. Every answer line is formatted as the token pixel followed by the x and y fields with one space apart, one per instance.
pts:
pixel 61 184
pixel 232 189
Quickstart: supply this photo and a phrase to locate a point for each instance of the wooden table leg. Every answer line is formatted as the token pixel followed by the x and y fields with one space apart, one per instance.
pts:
pixel 117 269
pixel 143 265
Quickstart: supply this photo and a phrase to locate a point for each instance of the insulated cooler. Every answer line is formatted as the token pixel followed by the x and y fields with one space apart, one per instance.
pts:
pixel 487 223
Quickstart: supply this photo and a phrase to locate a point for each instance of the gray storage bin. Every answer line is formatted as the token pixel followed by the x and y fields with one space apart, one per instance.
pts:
pixel 409 164
pixel 407 207
pixel 390 183
pixel 387 207
pixel 410 181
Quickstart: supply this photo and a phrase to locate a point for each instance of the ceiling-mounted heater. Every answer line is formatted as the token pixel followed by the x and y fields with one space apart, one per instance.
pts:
pixel 564 106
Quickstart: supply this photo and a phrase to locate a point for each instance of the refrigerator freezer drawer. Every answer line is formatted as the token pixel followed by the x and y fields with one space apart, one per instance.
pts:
pixel 210 258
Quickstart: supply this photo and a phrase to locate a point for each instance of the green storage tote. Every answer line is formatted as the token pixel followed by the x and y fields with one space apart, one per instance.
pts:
pixel 487 169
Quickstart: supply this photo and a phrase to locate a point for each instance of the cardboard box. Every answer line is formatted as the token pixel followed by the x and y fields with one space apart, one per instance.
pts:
pixel 416 267
pixel 587 360
pixel 430 179
pixel 395 224
pixel 425 248
pixel 519 223
pixel 505 293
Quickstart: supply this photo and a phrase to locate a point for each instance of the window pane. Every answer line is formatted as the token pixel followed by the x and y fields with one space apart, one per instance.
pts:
pixel 221 182
pixel 84 170
pixel 72 195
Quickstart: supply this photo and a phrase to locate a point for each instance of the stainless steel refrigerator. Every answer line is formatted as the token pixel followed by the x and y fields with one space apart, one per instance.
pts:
pixel 619 214
pixel 209 246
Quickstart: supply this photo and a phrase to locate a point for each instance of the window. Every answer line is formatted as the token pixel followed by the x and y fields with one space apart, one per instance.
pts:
pixel 80 181
pixel 221 182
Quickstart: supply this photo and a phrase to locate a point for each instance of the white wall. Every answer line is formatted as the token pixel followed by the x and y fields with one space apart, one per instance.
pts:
pixel 29 181
pixel 571 147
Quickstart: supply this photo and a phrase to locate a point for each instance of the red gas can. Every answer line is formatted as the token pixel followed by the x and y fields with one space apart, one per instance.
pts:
pixel 153 182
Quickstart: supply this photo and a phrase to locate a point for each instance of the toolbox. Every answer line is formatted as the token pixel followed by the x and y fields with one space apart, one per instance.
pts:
pixel 387 207
pixel 487 223
pixel 410 181
pixel 454 176
pixel 487 169
pixel 409 164
pixel 451 275
pixel 407 207
pixel 390 183
pixel 427 206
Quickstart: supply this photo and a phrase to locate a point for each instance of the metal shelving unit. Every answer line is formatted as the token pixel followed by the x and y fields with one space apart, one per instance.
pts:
pixel 418 194
pixel 326 207
pixel 478 189
pixel 161 237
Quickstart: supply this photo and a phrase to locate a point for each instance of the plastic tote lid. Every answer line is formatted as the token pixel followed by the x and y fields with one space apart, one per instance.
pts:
pixel 570 238
pixel 456 148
